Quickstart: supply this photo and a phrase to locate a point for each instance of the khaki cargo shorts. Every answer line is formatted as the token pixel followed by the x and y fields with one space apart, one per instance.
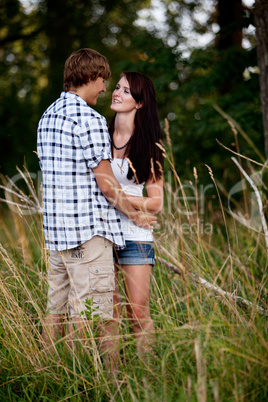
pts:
pixel 85 272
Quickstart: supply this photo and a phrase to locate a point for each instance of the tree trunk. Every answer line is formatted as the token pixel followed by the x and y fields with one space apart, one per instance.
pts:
pixel 261 23
pixel 58 25
pixel 230 13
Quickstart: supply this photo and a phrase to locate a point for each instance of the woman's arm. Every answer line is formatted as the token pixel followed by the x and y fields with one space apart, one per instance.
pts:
pixel 153 202
pixel 112 190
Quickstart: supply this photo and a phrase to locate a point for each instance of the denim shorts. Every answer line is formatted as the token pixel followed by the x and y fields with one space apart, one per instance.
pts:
pixel 135 253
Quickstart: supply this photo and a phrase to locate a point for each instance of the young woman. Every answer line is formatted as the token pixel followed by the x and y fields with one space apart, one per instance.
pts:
pixel 137 161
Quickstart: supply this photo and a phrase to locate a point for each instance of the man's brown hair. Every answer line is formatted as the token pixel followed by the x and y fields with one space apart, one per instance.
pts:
pixel 83 66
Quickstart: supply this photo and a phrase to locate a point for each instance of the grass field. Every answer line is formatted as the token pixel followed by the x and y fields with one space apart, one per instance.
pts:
pixel 209 303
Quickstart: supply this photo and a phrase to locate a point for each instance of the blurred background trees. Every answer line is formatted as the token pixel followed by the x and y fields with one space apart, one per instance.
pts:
pixel 198 54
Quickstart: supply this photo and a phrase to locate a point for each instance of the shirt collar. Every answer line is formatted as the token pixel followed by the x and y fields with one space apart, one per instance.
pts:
pixel 71 95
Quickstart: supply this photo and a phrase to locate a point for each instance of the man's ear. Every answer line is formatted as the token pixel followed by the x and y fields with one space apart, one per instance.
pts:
pixel 139 105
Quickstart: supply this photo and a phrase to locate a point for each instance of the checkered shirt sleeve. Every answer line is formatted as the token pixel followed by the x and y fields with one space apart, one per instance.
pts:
pixel 72 140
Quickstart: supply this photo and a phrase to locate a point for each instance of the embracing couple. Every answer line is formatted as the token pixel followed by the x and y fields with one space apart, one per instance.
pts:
pixel 96 220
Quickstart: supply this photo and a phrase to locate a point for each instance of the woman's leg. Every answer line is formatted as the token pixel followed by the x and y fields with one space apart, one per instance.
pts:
pixel 137 286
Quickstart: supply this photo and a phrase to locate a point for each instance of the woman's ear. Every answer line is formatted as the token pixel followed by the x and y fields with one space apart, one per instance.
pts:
pixel 139 105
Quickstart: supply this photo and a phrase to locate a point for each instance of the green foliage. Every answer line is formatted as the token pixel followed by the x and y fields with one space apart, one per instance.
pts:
pixel 88 312
pixel 34 46
pixel 35 43
pixel 216 78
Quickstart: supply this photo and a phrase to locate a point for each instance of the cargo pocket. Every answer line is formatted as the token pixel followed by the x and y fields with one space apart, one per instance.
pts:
pixel 101 279
pixel 103 304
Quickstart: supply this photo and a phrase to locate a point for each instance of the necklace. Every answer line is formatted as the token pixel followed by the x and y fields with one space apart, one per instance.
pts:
pixel 118 148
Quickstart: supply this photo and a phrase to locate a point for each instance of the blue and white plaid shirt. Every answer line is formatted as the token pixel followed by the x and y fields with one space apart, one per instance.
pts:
pixel 72 140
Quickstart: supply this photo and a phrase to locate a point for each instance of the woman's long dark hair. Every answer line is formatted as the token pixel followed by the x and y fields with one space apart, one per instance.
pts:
pixel 145 156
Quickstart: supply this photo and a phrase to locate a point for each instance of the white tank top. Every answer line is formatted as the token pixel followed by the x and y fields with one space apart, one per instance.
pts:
pixel 131 231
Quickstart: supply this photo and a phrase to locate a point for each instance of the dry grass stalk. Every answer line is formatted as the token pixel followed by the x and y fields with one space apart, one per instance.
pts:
pixel 201 389
pixel 152 169
pixel 133 169
pixel 176 176
pixel 259 200
pixel 240 155
pixel 240 130
pixel 224 218
pixel 242 182
pixel 166 130
pixel 24 202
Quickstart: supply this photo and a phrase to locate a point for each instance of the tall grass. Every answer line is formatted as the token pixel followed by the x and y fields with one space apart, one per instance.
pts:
pixel 210 345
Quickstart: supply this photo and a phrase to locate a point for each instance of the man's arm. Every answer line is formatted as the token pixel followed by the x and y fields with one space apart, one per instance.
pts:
pixel 112 190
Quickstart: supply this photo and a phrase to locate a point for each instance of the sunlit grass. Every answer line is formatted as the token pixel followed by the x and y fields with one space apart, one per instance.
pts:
pixel 210 345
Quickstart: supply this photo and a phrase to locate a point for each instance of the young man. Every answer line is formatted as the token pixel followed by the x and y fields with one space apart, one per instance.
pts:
pixel 80 195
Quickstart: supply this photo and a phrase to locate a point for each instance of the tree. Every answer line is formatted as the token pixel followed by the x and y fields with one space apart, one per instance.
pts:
pixel 31 70
pixel 15 24
pixel 220 73
pixel 34 45
pixel 261 21
pixel 73 24
pixel 230 16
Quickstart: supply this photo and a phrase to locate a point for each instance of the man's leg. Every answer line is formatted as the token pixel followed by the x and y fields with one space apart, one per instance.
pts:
pixel 52 328
pixel 108 339
pixel 58 289
pixel 109 344
pixel 91 273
